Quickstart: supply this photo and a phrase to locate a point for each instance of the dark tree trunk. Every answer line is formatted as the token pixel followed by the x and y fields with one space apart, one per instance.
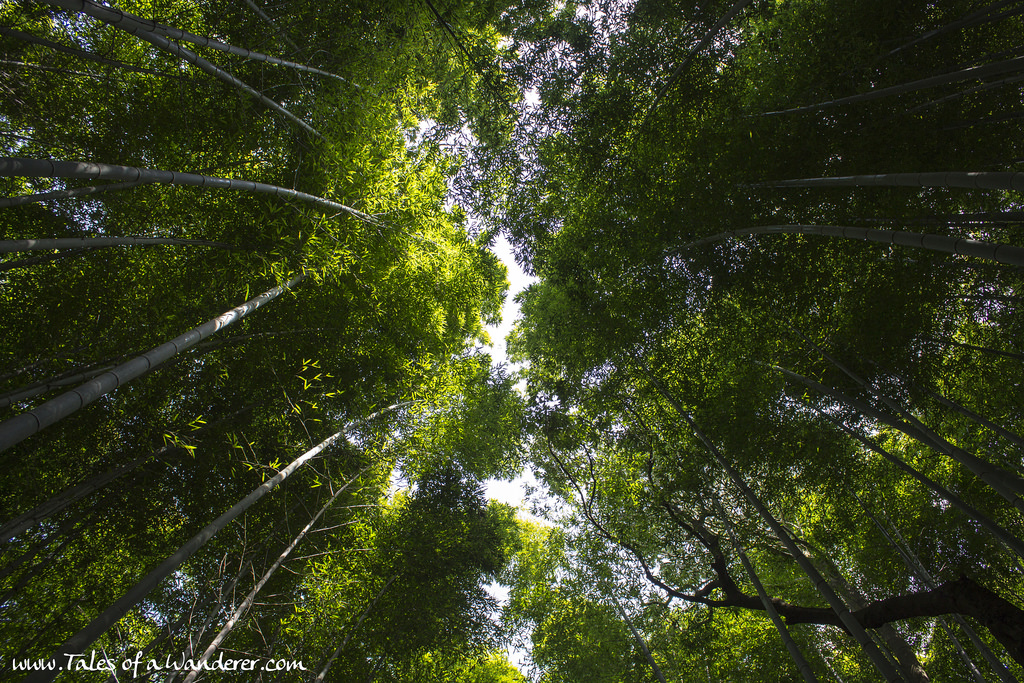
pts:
pixel 963 596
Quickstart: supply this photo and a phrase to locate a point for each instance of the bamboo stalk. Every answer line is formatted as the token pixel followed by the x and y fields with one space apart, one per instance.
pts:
pixel 843 612
pixel 12 246
pixel 972 180
pixel 20 427
pixel 1002 253
pixel 976 72
pixel 47 168
pixel 248 601
pixel 85 637
pixel 769 607
pixel 131 22
pixel 173 48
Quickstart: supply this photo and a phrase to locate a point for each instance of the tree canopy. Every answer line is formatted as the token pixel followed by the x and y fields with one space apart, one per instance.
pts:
pixel 767 373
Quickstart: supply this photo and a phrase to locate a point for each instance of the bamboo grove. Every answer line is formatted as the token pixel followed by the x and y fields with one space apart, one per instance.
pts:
pixel 235 310
pixel 774 350
pixel 771 360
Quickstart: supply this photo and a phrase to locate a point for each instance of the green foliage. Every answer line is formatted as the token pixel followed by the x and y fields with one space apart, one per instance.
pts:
pixel 375 342
pixel 661 372
pixel 637 339
pixel 410 591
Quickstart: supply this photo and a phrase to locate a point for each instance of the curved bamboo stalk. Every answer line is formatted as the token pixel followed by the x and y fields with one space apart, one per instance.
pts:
pixel 229 625
pixel 29 38
pixel 272 24
pixel 11 246
pixel 85 637
pixel 998 532
pixel 1001 253
pixel 64 194
pixel 323 672
pixel 708 37
pixel 975 72
pixel 46 168
pixel 915 565
pixel 131 22
pixel 218 73
pixel 982 16
pixel 1004 483
pixel 170 46
pixel 769 607
pixel 70 192
pixel 20 427
pixel 971 180
pixel 843 612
